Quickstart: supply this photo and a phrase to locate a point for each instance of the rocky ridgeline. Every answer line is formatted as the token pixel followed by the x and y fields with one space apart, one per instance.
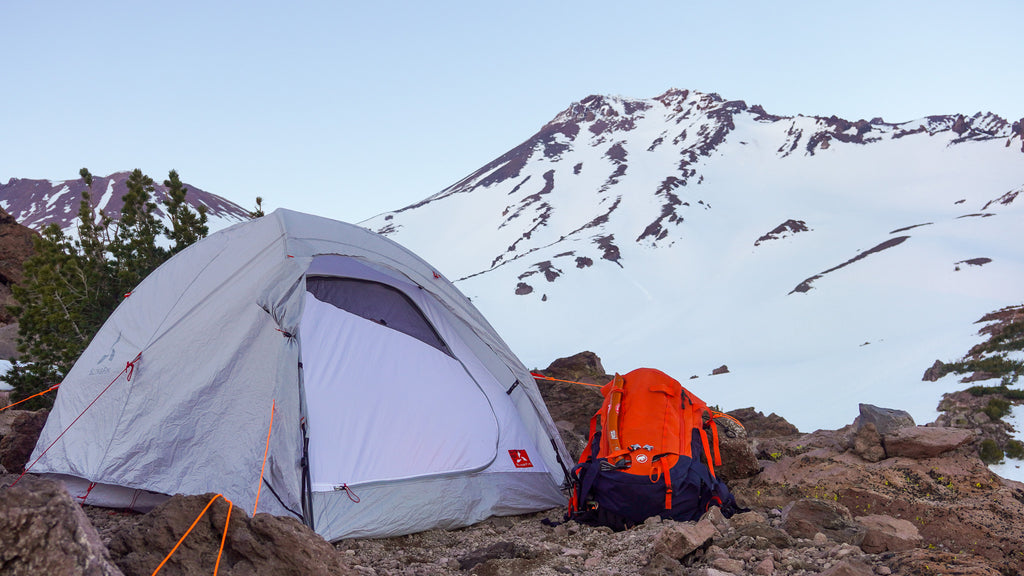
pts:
pixel 879 496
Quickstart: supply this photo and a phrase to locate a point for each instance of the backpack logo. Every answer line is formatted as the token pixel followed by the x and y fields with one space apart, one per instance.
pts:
pixel 520 459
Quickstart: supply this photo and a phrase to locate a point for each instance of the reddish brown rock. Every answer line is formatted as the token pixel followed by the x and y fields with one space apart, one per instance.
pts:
pixel 584 367
pixel 760 426
pixel 924 441
pixel 867 444
pixel 262 545
pixel 16 446
pixel 953 499
pixel 571 405
pixel 888 534
pixel 934 372
pixel 680 539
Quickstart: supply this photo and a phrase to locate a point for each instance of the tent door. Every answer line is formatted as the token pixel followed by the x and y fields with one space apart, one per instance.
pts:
pixel 384 405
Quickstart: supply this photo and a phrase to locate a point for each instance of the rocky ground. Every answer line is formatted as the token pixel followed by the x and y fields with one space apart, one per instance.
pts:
pixel 880 496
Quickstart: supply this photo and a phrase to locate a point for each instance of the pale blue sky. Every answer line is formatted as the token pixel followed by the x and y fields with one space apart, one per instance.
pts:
pixel 348 110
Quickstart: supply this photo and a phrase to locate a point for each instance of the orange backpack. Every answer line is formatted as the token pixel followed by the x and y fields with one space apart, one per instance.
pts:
pixel 652 452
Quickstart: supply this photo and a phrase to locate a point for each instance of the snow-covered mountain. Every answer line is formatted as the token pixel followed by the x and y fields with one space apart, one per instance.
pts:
pixel 37 203
pixel 825 262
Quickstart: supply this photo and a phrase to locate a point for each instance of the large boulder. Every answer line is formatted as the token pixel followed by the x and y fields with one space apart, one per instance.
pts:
pixel 570 404
pixel 920 442
pixel 44 531
pixel 760 426
pixel 738 458
pixel 583 367
pixel 680 539
pixel 261 545
pixel 887 534
pixel 885 420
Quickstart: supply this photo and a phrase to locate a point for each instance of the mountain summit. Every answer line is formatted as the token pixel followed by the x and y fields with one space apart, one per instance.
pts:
pixel 813 256
pixel 37 203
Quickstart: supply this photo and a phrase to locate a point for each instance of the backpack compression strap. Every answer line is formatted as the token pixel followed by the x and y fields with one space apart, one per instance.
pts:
pixel 612 421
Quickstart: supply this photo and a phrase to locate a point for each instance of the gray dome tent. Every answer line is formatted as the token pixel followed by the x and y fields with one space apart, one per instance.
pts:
pixel 368 393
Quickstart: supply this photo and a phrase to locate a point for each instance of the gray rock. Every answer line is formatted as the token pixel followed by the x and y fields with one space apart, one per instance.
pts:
pixel 680 539
pixel 888 534
pixel 805 518
pixel 44 531
pixel 774 536
pixel 848 568
pixel 886 420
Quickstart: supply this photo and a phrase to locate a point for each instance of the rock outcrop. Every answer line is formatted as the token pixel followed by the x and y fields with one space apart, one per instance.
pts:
pixel 43 531
pixel 569 404
pixel 929 476
pixel 261 545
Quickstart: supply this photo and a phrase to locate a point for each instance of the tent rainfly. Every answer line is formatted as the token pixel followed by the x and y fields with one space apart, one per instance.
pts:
pixel 307 367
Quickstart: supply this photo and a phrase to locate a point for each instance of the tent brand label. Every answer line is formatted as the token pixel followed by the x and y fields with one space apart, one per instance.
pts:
pixel 520 459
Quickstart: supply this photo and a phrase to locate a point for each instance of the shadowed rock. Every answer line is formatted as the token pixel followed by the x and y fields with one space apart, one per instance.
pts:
pixel 805 518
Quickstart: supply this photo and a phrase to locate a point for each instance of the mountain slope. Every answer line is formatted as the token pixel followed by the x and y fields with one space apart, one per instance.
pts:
pixel 822 260
pixel 37 203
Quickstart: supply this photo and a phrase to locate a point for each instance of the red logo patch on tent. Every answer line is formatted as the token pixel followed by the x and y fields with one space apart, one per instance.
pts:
pixel 520 458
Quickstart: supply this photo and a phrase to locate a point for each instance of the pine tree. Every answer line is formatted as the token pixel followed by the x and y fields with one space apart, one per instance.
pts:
pixel 133 249
pixel 258 212
pixel 71 285
pixel 186 226
pixel 62 300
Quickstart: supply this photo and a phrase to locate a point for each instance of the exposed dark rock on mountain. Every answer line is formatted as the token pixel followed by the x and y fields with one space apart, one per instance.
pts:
pixel 974 262
pixel 787 228
pixel 805 286
pixel 1005 199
